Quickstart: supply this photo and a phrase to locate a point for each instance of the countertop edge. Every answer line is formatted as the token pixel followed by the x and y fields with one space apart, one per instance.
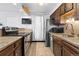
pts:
pixel 9 44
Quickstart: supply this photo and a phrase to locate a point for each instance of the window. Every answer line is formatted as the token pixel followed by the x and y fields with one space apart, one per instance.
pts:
pixel 26 21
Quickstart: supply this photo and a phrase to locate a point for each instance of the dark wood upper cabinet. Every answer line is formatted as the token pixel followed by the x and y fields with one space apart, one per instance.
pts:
pixel 69 7
pixel 62 10
pixel 66 7
pixel 77 12
pixel 58 15
pixel 52 18
pixel 55 17
pixel 77 8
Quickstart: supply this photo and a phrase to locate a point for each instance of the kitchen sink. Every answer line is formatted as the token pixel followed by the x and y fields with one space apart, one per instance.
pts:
pixel 67 35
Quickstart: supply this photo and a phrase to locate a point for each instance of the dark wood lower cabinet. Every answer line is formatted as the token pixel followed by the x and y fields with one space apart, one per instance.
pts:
pixel 27 43
pixel 57 50
pixel 18 51
pixel 14 49
pixel 69 49
pixel 57 46
pixel 7 51
pixel 11 54
pixel 66 52
pixel 18 48
pixel 62 47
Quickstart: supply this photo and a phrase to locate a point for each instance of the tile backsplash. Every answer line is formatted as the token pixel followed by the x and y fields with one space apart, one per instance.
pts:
pixel 76 27
pixel 68 28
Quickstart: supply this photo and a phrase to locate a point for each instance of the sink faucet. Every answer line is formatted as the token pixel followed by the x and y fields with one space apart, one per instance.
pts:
pixel 72 29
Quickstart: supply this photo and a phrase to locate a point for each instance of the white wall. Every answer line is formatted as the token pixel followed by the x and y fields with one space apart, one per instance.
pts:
pixel 28 26
pixel 3 20
pixel 14 21
pixel 10 15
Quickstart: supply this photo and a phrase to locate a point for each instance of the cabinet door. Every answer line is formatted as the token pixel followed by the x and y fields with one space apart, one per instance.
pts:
pixel 77 7
pixel 18 51
pixel 7 51
pixel 56 48
pixel 69 49
pixel 69 6
pixel 66 52
pixel 77 11
pixel 62 9
pixel 18 48
pixel 52 19
pixel 58 15
pixel 55 17
pixel 18 43
pixel 11 54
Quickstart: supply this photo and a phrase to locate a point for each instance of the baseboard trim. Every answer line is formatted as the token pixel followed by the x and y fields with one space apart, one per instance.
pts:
pixel 38 41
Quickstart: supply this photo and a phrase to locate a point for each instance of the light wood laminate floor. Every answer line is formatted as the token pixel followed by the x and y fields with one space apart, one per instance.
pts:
pixel 39 49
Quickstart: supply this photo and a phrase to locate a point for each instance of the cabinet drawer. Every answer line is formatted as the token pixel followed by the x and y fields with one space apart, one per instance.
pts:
pixel 18 43
pixel 74 50
pixel 56 49
pixel 57 40
pixel 7 50
pixel 11 54
pixel 18 51
pixel 66 52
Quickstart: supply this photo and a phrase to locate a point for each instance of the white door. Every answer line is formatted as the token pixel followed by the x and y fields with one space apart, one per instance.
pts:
pixel 38 28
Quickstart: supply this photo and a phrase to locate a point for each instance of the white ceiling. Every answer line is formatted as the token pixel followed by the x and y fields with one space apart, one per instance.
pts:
pixel 9 9
pixel 37 9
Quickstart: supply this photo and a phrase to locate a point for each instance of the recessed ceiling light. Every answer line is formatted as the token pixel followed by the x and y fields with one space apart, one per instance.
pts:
pixel 41 4
pixel 14 4
pixel 67 21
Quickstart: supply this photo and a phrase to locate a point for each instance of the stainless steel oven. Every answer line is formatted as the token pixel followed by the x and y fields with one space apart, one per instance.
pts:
pixel 27 39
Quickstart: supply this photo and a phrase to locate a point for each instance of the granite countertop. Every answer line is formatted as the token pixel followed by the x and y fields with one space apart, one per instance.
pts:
pixel 73 40
pixel 5 41
pixel 24 32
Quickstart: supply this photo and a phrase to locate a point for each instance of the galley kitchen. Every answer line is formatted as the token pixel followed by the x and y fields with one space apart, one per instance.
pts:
pixel 39 29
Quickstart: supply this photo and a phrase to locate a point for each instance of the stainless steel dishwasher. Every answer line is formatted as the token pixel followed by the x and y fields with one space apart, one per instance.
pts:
pixel 51 43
